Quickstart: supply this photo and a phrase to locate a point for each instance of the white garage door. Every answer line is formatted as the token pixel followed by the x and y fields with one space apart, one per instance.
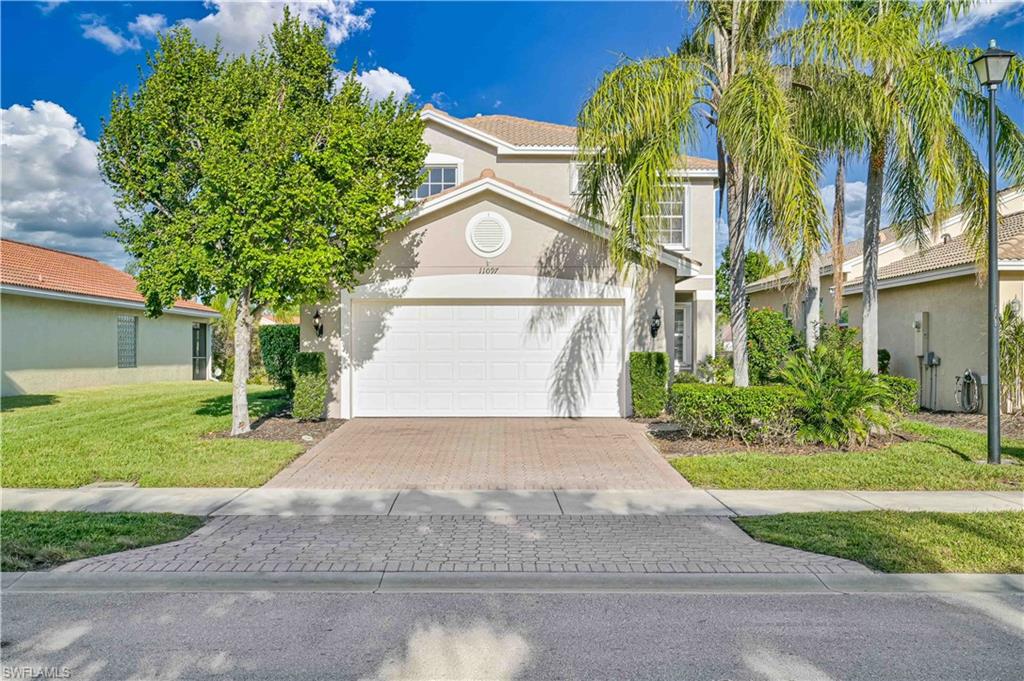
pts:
pixel 487 359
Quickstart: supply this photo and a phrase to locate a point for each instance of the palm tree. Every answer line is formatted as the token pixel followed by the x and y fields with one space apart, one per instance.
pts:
pixel 838 237
pixel 919 107
pixel 645 115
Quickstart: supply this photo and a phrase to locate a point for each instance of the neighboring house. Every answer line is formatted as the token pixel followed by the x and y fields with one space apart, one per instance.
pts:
pixel 497 299
pixel 271 318
pixel 932 303
pixel 69 321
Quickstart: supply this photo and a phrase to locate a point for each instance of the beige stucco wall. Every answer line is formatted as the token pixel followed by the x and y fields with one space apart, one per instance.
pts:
pixel 542 250
pixel 48 345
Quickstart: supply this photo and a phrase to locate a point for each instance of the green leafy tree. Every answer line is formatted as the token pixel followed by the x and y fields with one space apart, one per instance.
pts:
pixel 771 339
pixel 258 177
pixel 645 115
pixel 915 104
pixel 757 265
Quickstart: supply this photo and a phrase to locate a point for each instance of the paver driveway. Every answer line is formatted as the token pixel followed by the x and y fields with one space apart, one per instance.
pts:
pixel 482 454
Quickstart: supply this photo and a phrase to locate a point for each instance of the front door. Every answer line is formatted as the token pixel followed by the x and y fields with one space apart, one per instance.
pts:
pixel 199 358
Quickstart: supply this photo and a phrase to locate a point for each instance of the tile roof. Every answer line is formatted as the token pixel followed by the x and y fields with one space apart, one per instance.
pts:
pixel 956 251
pixel 523 132
pixel 46 269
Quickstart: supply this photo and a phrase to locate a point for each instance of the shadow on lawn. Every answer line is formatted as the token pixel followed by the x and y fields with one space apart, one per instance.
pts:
pixel 26 402
pixel 261 405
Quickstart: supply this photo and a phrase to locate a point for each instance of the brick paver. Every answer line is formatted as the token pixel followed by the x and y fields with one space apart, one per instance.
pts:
pixel 483 454
pixel 459 543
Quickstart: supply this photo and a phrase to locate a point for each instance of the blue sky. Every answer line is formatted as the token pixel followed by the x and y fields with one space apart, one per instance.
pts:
pixel 60 63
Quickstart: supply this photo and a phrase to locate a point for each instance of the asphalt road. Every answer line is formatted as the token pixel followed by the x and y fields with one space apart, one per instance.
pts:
pixel 276 635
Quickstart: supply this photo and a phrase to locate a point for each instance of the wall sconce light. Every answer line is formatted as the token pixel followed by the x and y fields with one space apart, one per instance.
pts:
pixel 318 324
pixel 655 324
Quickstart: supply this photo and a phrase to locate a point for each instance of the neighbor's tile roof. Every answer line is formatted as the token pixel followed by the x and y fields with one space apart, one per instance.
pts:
pixel 37 267
pixel 523 132
pixel 956 251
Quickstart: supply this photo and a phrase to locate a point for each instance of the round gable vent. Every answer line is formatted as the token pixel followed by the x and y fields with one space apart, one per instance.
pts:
pixel 488 234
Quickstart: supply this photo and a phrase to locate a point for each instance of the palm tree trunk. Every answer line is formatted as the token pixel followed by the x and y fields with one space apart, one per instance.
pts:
pixel 812 303
pixel 872 222
pixel 243 342
pixel 838 235
pixel 736 201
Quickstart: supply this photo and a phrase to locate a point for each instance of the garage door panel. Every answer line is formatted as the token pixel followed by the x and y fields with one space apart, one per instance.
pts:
pixel 487 360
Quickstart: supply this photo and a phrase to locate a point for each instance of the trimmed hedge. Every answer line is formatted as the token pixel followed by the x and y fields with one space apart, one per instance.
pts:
pixel 903 391
pixel 310 386
pixel 756 415
pixel 648 376
pixel 279 344
pixel 770 339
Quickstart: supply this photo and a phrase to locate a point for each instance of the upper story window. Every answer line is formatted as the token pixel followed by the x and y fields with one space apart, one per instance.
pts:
pixel 437 179
pixel 671 221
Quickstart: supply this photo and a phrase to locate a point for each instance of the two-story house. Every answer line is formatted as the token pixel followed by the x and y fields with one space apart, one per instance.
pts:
pixel 497 299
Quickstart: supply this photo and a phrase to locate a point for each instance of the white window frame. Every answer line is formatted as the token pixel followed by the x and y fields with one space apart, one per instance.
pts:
pixel 436 160
pixel 686 362
pixel 574 178
pixel 685 245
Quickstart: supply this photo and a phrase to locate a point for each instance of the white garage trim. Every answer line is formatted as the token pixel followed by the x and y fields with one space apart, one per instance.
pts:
pixel 477 289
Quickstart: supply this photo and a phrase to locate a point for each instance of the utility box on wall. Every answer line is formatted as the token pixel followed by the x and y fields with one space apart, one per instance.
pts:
pixel 920 334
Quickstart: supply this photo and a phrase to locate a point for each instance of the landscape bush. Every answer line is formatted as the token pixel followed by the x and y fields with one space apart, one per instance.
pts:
pixel 648 377
pixel 755 415
pixel 310 370
pixel 280 344
pixel 717 369
pixel 838 404
pixel 903 392
pixel 770 339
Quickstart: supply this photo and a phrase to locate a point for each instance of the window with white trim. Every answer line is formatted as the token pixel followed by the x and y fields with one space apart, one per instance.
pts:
pixel 437 178
pixel 127 341
pixel 574 178
pixel 683 336
pixel 671 219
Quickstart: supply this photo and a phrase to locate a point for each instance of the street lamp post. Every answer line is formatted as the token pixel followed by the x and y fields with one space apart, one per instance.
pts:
pixel 991 68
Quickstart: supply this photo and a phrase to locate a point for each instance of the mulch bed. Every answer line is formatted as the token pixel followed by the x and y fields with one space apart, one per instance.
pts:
pixel 283 428
pixel 1009 425
pixel 674 444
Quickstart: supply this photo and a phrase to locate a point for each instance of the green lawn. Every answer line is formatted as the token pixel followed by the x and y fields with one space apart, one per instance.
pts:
pixel 942 459
pixel 895 541
pixel 152 434
pixel 33 540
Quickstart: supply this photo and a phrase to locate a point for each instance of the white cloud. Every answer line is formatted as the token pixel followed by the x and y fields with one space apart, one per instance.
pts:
pixel 50 182
pixel 115 41
pixel 380 83
pixel 48 7
pixel 148 24
pixel 978 14
pixel 241 25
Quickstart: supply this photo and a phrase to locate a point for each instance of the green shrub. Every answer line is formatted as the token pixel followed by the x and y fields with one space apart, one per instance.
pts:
pixel 310 386
pixel 685 377
pixel 758 414
pixel 648 376
pixel 839 404
pixel 770 338
pixel 717 369
pixel 884 358
pixel 903 392
pixel 279 344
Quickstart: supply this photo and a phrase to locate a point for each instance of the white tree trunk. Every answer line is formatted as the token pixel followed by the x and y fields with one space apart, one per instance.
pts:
pixel 243 343
pixel 812 303
pixel 872 222
pixel 737 217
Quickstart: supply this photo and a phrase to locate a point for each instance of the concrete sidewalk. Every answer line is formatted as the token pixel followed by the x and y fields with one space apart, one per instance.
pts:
pixel 296 502
pixel 420 582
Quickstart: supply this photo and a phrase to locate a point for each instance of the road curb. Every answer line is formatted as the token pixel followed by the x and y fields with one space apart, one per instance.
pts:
pixel 446 582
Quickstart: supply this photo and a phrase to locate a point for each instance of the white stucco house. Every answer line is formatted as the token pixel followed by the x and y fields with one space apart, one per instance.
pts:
pixel 497 299
pixel 68 321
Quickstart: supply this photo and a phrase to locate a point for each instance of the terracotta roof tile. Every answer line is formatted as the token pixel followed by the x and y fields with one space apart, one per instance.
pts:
pixel 523 132
pixel 43 268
